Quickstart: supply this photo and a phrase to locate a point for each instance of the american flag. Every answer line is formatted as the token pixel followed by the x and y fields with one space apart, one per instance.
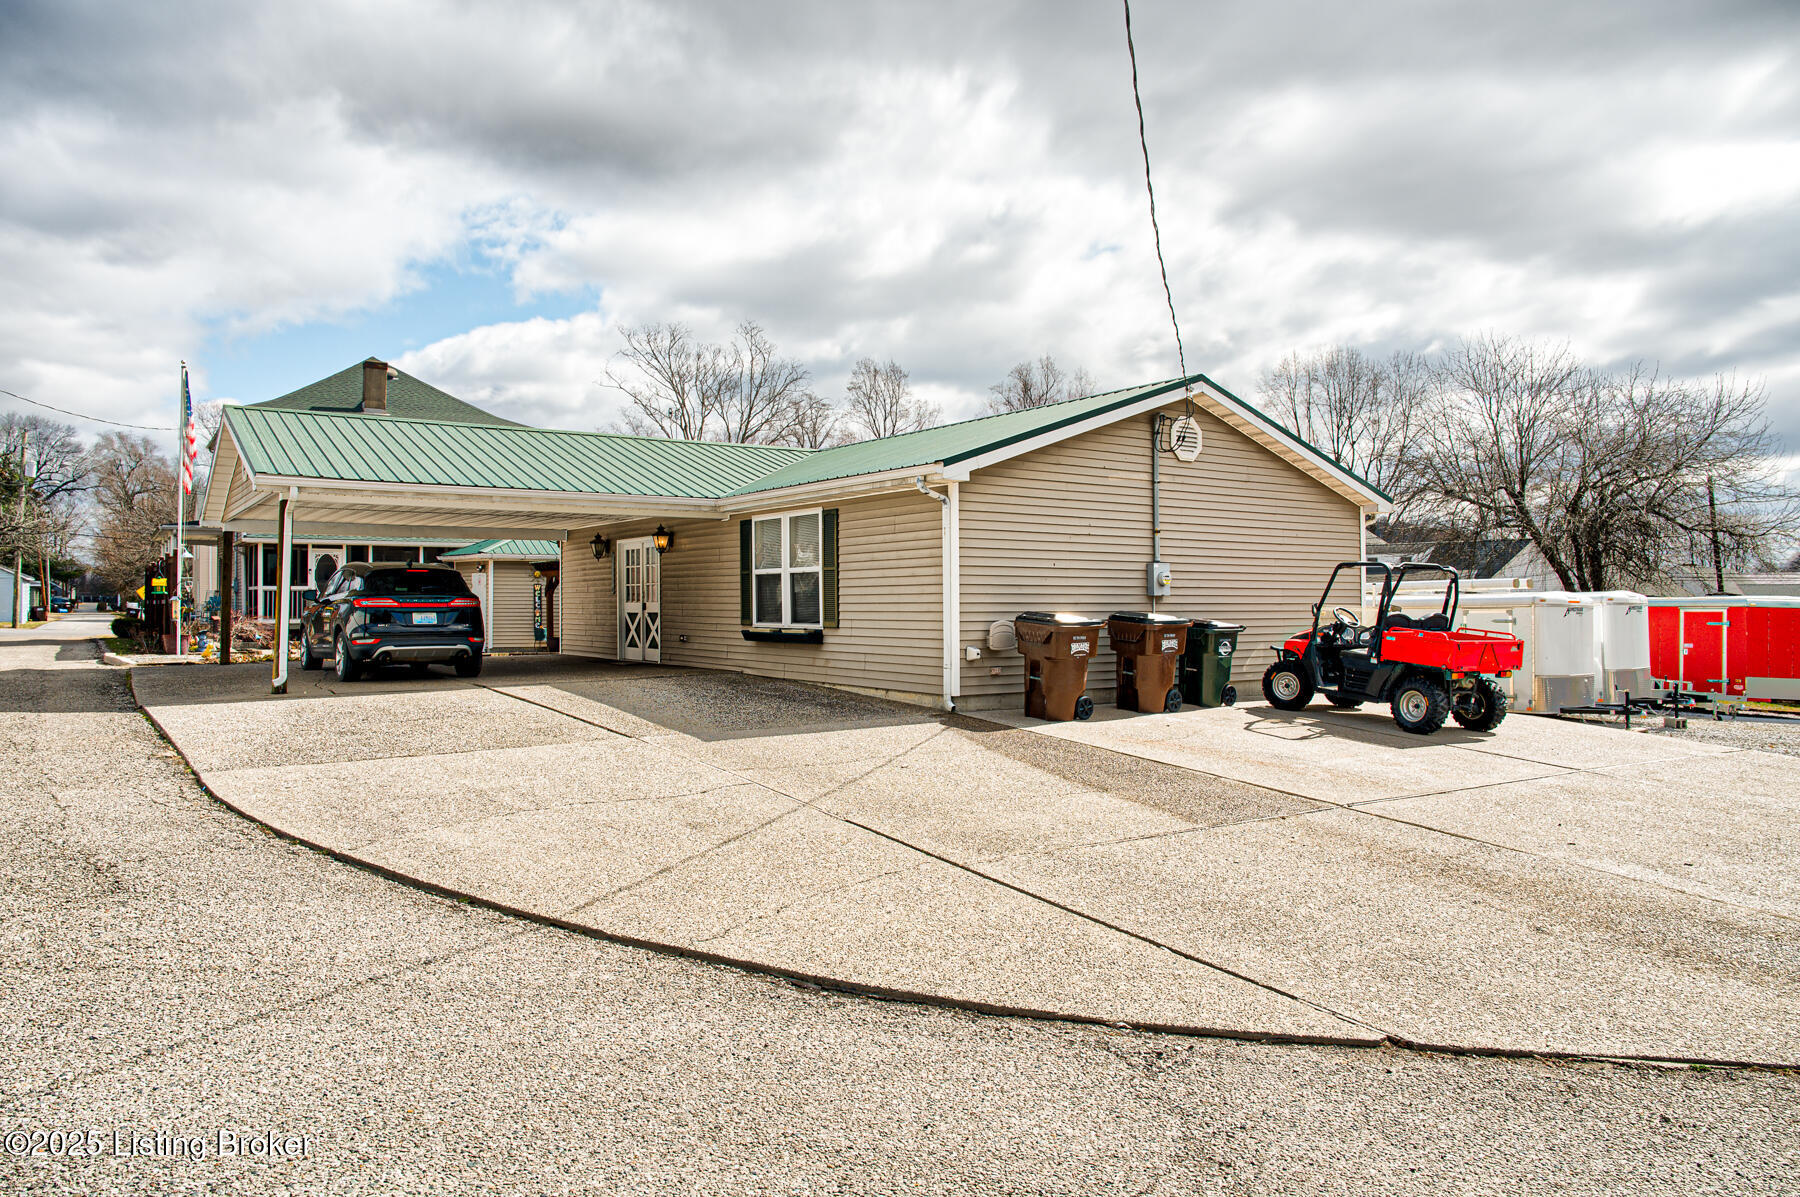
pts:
pixel 191 447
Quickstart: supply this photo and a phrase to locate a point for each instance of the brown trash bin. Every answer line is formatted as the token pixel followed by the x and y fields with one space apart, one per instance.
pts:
pixel 1057 650
pixel 1149 647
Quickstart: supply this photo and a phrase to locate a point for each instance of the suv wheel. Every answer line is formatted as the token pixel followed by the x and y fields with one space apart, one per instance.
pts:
pixel 469 666
pixel 1286 686
pixel 1421 704
pixel 308 662
pixel 347 669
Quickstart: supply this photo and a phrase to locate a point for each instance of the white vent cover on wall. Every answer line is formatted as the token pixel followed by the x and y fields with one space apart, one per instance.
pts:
pixel 1181 436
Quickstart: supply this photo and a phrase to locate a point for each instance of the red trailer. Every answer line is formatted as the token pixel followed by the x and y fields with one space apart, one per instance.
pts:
pixel 1738 646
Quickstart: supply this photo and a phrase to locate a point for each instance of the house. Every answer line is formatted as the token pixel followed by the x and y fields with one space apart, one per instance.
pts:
pixel 516 581
pixel 1785 583
pixel 370 389
pixel 9 587
pixel 878 566
pixel 1483 559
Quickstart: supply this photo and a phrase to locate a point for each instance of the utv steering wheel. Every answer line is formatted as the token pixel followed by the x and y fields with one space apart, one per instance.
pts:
pixel 1347 617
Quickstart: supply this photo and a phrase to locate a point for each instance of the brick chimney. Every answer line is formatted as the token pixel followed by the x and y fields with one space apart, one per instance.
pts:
pixel 375 380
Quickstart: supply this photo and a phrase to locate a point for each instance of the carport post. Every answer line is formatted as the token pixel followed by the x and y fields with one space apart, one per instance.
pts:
pixel 227 584
pixel 278 677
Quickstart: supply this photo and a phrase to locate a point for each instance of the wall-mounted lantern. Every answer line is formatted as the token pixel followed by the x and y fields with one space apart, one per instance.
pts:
pixel 663 539
pixel 602 547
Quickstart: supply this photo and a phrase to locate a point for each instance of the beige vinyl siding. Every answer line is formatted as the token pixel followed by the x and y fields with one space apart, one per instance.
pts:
pixel 590 607
pixel 1248 537
pixel 238 491
pixel 889 636
pixel 508 609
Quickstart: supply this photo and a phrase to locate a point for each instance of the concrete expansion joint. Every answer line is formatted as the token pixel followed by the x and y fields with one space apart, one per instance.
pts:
pixel 1386 1039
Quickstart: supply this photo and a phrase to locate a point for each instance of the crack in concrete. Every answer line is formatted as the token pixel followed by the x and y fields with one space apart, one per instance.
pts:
pixel 802 900
pixel 1024 891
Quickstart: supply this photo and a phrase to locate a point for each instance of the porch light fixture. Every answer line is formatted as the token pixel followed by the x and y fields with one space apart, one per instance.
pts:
pixel 663 539
pixel 602 547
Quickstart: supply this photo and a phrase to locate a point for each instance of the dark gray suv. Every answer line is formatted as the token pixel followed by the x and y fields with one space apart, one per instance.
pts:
pixel 373 615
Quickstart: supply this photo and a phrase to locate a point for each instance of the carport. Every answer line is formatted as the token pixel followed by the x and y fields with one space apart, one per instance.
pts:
pixel 319 476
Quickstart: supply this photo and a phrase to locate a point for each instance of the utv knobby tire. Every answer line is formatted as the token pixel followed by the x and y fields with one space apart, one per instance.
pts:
pixel 1488 709
pixel 1420 704
pixel 1286 686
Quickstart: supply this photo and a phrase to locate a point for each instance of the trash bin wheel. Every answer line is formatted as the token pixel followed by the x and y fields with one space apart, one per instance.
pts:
pixel 1172 700
pixel 1084 706
pixel 1229 696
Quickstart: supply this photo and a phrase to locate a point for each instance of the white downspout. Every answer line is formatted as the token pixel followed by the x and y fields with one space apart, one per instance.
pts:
pixel 278 678
pixel 946 538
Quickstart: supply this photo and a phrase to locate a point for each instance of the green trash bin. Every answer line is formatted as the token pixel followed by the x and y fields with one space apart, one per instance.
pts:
pixel 1206 664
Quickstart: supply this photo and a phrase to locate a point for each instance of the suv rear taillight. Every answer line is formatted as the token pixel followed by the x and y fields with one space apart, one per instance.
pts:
pixel 373 602
pixel 465 602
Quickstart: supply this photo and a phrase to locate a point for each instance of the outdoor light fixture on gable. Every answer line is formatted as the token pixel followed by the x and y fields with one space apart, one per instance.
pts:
pixel 663 539
pixel 602 547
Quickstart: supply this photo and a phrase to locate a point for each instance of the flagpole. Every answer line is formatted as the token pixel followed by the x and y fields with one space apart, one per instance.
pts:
pixel 181 419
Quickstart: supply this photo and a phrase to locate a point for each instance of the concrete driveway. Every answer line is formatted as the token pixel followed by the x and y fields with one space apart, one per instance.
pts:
pixel 1319 877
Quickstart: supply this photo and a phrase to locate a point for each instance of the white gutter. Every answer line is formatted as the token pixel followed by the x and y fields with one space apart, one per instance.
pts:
pixel 947 537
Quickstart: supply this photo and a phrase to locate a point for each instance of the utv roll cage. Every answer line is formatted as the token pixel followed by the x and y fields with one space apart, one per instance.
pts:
pixel 1391 578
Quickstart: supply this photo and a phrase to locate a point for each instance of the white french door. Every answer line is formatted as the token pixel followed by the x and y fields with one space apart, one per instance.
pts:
pixel 640 600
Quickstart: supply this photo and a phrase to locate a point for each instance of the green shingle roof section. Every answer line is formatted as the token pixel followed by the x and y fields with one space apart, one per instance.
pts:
pixel 408 397
pixel 349 448
pixel 533 550
pixel 951 443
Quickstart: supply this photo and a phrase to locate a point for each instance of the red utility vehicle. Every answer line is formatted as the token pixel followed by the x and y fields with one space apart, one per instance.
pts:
pixel 1423 669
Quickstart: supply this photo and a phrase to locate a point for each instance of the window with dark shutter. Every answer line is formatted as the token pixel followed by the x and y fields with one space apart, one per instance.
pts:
pixel 788 570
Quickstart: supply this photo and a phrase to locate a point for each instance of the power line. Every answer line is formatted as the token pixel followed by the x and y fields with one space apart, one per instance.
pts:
pixel 81 416
pixel 1150 188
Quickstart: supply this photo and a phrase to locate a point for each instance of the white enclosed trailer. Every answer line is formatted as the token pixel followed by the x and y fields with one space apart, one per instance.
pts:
pixel 1559 629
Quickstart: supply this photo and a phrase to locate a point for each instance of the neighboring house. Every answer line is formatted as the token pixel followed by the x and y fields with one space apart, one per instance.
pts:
pixel 1491 558
pixel 8 588
pixel 516 581
pixel 878 566
pixel 1784 583
pixel 372 389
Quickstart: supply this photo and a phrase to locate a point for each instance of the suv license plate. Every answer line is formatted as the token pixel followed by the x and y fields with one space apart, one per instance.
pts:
pixel 425 617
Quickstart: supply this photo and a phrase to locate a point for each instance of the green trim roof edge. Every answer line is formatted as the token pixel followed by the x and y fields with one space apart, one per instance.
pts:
pixel 1128 396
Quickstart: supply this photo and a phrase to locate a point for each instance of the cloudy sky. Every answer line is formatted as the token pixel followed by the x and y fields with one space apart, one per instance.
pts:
pixel 486 193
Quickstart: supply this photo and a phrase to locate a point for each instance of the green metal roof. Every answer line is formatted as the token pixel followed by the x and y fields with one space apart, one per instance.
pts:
pixel 532 550
pixel 356 447
pixel 407 397
pixel 951 443
pixel 307 444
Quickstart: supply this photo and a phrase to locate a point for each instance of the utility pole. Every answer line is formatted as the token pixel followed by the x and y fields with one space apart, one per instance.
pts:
pixel 19 549
pixel 1712 507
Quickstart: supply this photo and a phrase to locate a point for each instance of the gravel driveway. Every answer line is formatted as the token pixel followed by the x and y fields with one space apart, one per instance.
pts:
pixel 166 966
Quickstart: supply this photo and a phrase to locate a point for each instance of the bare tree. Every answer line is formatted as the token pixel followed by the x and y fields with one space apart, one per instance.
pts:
pixel 812 423
pixel 1360 411
pixel 674 386
pixel 134 496
pixel 57 471
pixel 881 402
pixel 1033 384
pixel 760 402
pixel 1614 478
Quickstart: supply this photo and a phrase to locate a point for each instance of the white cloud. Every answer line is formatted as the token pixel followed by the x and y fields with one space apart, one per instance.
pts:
pixel 956 188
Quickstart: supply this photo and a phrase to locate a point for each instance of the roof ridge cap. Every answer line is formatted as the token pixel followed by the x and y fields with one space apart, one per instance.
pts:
pixel 617 436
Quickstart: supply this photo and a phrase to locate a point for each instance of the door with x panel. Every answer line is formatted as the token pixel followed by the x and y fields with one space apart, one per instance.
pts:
pixel 640 601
